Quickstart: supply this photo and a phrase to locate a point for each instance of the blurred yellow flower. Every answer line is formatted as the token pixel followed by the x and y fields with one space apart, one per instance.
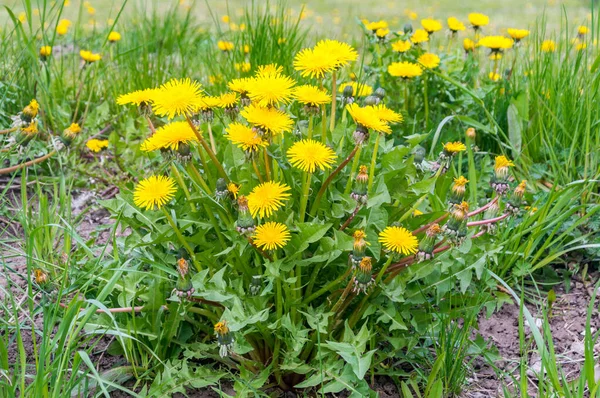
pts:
pixel 89 56
pixel 548 46
pixel 170 136
pixel 468 45
pixel 429 60
pixel 431 25
pixel 478 20
pixel 455 25
pixel 358 89
pixel 225 45
pixel 341 52
pixel 405 70
pixel 374 26
pixel 368 118
pixel 96 145
pixel 496 43
pixel 401 46
pixel 114 37
pixel 139 97
pixel 419 36
pixel 45 51
pixel 518 34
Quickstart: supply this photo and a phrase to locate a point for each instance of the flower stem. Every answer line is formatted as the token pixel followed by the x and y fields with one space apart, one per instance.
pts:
pixel 279 312
pixel 383 269
pixel 425 100
pixel 373 161
pixel 488 221
pixel 333 101
pixel 304 200
pixel 27 164
pixel 324 289
pixel 315 205
pixel 324 125
pixel 194 171
pixel 257 171
pixel 310 126
pixel 181 183
pixel 182 239
pixel 352 172
pixel 150 124
pixel 7 131
pixel 267 167
pixel 212 138
pixel 211 154
pixel 349 220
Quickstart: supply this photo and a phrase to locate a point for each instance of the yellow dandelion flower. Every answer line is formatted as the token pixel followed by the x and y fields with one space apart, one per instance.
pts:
pixel 208 102
pixel 431 25
pixel 311 95
pixel 368 118
pixel 177 97
pixel 358 89
pixel 493 76
pixel 548 46
pixel 243 66
pixel 225 45
pixel 341 52
pixel 405 70
pixel 387 115
pixel 139 97
pixel 96 145
pixel 271 89
pixel 468 45
pixel 314 63
pixel 419 36
pixel 32 109
pixel 455 25
pixel 582 30
pixel 502 162
pixel 496 43
pixel 31 129
pixel 246 49
pixel 89 56
pixel 401 46
pixel 234 189
pixel 271 120
pixel 374 26
pixel 114 37
pixel 221 328
pixel 170 136
pixel 45 51
pixel 271 235
pixel 72 131
pixel 518 34
pixel 454 147
pixel 228 100
pixel 244 137
pixel 269 69
pixel 62 28
pixel 239 85
pixel 429 60
pixel 382 33
pixel 308 155
pixel 267 198
pixel 399 240
pixel 460 181
pixel 154 192
pixel 478 20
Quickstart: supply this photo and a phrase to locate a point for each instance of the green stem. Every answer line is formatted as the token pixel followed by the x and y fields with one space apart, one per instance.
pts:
pixel 352 172
pixel 267 167
pixel 194 171
pixel 323 125
pixel 383 269
pixel 315 205
pixel 182 239
pixel 304 200
pixel 324 289
pixel 310 126
pixel 425 100
pixel 279 312
pixel 373 161
pixel 212 139
pixel 181 183
pixel 211 154
pixel 257 171
pixel 406 97
pixel 333 101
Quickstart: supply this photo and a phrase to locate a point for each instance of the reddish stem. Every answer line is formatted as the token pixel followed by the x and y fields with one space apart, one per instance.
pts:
pixel 483 208
pixel 488 221
pixel 349 220
pixel 424 227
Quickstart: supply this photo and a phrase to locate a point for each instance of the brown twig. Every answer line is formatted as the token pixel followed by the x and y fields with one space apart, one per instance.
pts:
pixel 349 220
pixel 27 164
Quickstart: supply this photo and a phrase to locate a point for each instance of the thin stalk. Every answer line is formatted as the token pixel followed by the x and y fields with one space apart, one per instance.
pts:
pixel 373 161
pixel 383 269
pixel 194 171
pixel 267 167
pixel 279 312
pixel 488 221
pixel 211 154
pixel 425 100
pixel 27 164
pixel 304 200
pixel 315 205
pixel 150 124
pixel 349 220
pixel 324 289
pixel 182 239
pixel 333 101
pixel 310 126
pixel 352 172
pixel 7 131
pixel 324 125
pixel 211 137
pixel 181 183
pixel 257 171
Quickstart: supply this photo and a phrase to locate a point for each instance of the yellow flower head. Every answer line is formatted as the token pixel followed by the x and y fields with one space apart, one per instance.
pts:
pixel 478 20
pixel 496 43
pixel 32 109
pixel 239 85
pixel 452 148
pixel 548 46
pixel 455 25
pixel 429 60
pixel 311 95
pixel 225 45
pixel 154 192
pixel 419 36
pixel 271 89
pixel 208 103
pixel 368 118
pixel 387 115
pixel 308 155
pixel 139 97
pixel 228 100
pixel 270 120
pixel 358 89
pixel 493 76
pixel 366 265
pixel 399 240
pixel 520 189
pixel 243 66
pixel 244 137
pixel 382 33
pixel 269 69
pixel 114 37
pixel 271 235
pixel 267 198
pixel 246 49
pixel 401 46
pixel 468 45
pixel 501 162
pixel 31 129
pixel 177 97
pixel 72 130
pixel 460 181
pixel 95 145
pixel 89 56
pixel 221 328
pixel 45 51
pixel 314 63
pixel 582 30
pixel 62 28
pixel 374 26
pixel 233 189
pixel 170 136
pixel 359 234
pixel 431 25
pixel 405 70
pixel 518 34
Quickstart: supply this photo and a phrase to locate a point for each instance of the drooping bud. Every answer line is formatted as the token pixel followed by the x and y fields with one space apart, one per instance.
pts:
pixel 69 134
pixel 245 223
pixel 455 228
pixel 427 244
pixel 41 277
pixel 221 191
pixel 364 275
pixel 470 133
pixel 359 247
pixel 408 28
pixel 225 338
pixel 26 134
pixel 419 154
pixel 457 192
pixel 491 212
pixel 380 93
pixel 361 188
pixel 516 198
pixel 360 135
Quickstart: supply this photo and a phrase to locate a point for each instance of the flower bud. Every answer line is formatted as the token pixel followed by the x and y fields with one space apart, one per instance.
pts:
pixel 419 154
pixel 184 287
pixel 499 182
pixel 69 134
pixel 360 135
pixel 221 191
pixel 245 223
pixel 359 247
pixel 371 100
pixel 380 93
pixel 26 134
pixel 470 133
pixel 455 227
pixel 360 189
pixel 408 28
pixel 427 244
pixel 364 277
pixel 457 192
pixel 225 338
pixel 516 199
pixel 348 91
pixel 255 285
